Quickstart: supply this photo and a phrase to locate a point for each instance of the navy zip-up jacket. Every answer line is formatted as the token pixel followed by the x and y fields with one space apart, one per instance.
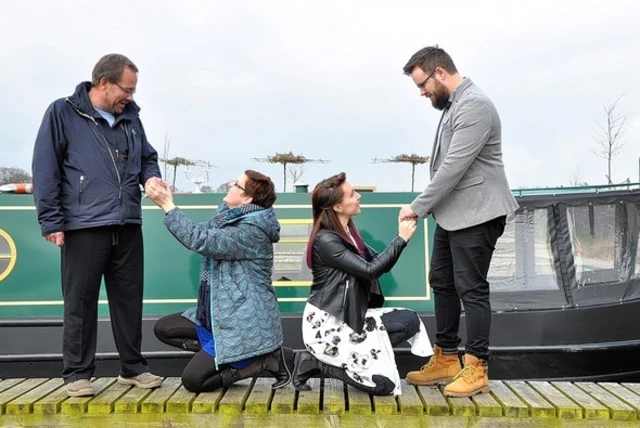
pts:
pixel 76 180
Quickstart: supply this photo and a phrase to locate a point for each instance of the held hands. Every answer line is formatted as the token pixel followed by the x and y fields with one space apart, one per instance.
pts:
pixel 407 223
pixel 158 191
pixel 55 238
pixel 407 213
pixel 407 227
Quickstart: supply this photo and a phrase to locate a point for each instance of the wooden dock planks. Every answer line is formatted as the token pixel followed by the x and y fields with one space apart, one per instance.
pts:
pixel 540 403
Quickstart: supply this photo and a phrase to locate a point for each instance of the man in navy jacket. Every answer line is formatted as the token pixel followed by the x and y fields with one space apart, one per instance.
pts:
pixel 91 155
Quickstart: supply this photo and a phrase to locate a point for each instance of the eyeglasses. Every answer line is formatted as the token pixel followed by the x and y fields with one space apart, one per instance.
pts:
pixel 424 82
pixel 127 91
pixel 235 183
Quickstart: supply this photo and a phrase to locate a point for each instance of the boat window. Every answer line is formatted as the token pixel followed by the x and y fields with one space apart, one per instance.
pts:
pixel 289 253
pixel 592 231
pixel 636 274
pixel 604 245
pixel 522 273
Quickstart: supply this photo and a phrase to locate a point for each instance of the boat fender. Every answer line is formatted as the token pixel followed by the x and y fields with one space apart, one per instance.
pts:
pixel 19 188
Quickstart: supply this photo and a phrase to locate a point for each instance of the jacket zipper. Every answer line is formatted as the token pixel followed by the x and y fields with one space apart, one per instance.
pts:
pixel 215 342
pixel 113 160
pixel 81 188
pixel 346 290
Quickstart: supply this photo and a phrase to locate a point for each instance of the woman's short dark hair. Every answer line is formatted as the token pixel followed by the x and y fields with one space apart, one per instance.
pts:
pixel 260 188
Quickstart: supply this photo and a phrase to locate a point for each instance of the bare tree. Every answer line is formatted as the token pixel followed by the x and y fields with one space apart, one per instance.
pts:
pixel 222 187
pixel 165 154
pixel 575 178
pixel 288 159
pixel 296 171
pixel 14 175
pixel 413 159
pixel 206 189
pixel 609 136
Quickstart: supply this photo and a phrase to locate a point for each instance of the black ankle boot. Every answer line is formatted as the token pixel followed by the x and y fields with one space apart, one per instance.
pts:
pixel 279 363
pixel 230 375
pixel 284 357
pixel 306 366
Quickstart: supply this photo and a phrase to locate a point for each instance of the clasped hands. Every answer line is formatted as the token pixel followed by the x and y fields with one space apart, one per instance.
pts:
pixel 159 192
pixel 407 223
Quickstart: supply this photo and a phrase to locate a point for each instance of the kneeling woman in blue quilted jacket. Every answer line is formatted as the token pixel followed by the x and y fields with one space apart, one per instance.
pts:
pixel 235 330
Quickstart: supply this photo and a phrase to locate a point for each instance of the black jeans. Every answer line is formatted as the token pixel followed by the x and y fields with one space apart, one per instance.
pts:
pixel 459 266
pixel 200 374
pixel 400 325
pixel 115 252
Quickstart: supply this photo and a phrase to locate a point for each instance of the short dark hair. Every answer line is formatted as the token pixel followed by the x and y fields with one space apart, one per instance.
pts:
pixel 428 59
pixel 260 188
pixel 111 67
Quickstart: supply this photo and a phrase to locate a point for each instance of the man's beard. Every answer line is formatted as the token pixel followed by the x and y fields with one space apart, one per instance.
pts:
pixel 440 97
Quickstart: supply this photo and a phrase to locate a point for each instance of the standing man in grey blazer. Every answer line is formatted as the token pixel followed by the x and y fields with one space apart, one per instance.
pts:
pixel 470 198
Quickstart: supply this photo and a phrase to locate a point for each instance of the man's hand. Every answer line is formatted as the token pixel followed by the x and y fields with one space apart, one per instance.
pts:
pixel 158 191
pixel 55 238
pixel 157 181
pixel 406 213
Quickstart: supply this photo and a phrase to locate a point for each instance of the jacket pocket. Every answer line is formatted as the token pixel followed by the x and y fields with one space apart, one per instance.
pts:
pixel 346 291
pixel 473 181
pixel 135 142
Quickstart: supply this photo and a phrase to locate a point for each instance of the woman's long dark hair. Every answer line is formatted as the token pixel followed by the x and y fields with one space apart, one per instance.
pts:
pixel 324 197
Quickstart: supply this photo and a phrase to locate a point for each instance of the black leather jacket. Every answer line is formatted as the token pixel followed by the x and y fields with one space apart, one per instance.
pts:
pixel 344 284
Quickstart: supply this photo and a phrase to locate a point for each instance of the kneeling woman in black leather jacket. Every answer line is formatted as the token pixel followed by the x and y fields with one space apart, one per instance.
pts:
pixel 347 333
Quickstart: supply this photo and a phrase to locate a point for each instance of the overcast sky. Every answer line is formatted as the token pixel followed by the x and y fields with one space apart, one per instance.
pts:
pixel 233 80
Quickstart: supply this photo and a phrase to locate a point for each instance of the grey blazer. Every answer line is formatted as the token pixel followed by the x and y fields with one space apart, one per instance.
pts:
pixel 468 183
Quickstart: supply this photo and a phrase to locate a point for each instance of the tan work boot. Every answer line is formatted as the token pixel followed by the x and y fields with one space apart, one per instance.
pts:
pixel 441 368
pixel 471 380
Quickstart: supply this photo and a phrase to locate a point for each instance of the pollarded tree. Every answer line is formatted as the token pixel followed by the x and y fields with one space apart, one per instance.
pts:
pixel 413 159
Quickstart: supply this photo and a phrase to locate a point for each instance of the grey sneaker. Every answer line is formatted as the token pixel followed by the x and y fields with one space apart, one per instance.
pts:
pixel 80 388
pixel 145 380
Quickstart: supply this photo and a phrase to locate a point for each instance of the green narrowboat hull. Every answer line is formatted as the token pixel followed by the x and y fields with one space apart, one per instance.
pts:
pixel 30 285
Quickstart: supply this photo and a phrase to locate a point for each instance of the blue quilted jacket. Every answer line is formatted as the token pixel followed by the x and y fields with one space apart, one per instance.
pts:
pixel 237 262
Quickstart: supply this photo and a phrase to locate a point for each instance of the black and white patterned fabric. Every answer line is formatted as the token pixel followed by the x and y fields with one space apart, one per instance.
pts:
pixel 361 355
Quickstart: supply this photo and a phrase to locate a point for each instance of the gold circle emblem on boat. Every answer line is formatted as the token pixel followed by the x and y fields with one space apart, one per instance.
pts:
pixel 8 254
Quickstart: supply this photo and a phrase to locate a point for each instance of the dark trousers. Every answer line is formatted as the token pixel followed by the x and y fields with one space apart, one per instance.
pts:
pixel 115 252
pixel 459 266
pixel 400 325
pixel 200 374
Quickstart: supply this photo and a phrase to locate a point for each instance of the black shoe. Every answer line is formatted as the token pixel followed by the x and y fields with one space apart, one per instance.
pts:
pixel 283 375
pixel 230 375
pixel 306 366
pixel 191 345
